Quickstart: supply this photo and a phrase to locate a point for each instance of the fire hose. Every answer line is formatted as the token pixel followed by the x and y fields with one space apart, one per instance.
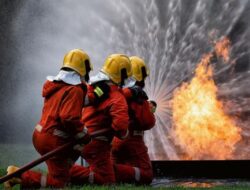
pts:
pixel 47 156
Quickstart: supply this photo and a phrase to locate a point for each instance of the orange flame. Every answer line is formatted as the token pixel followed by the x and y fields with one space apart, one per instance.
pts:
pixel 222 48
pixel 201 127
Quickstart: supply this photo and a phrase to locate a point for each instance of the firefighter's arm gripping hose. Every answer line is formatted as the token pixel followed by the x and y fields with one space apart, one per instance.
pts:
pixel 47 156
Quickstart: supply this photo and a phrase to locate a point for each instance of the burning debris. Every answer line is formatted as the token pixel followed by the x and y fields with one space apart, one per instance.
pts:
pixel 201 127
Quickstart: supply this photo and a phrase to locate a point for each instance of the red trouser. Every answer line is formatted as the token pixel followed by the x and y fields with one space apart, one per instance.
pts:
pixel 132 163
pixel 100 170
pixel 58 166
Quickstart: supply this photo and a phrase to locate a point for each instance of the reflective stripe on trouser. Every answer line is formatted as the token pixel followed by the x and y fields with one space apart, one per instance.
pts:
pixel 56 132
pixel 91 177
pixel 43 180
pixel 137 174
pixel 80 175
pixel 129 174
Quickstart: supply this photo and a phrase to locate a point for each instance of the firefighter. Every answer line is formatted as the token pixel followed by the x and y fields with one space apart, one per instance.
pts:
pixel 60 123
pixel 132 163
pixel 111 112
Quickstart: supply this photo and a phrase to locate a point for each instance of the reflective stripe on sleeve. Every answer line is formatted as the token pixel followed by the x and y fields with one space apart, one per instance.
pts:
pixel 98 91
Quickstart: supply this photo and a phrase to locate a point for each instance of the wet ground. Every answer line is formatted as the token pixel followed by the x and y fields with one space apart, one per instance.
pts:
pixel 191 182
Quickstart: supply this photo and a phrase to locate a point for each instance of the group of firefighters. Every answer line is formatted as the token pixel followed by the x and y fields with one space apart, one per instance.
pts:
pixel 112 103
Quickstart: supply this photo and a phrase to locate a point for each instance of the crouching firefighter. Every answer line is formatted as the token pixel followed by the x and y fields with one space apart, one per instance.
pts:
pixel 132 163
pixel 110 112
pixel 60 123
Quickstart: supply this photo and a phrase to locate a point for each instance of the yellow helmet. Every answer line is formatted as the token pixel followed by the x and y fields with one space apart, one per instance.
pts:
pixel 117 67
pixel 77 60
pixel 139 68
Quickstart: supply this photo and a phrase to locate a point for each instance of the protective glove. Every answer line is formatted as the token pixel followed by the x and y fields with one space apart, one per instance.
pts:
pixel 82 138
pixel 138 93
pixel 152 105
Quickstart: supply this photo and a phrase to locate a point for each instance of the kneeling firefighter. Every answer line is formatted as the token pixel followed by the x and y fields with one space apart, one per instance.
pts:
pixel 60 123
pixel 111 112
pixel 132 163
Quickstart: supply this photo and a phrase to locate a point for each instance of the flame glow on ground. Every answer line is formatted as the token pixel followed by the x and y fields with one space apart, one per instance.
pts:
pixel 201 128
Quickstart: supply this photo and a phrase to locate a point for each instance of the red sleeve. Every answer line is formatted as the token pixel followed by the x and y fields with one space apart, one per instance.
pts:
pixel 127 93
pixel 145 118
pixel 119 113
pixel 71 110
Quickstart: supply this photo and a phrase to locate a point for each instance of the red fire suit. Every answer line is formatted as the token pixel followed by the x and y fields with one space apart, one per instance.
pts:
pixel 60 121
pixel 111 113
pixel 132 163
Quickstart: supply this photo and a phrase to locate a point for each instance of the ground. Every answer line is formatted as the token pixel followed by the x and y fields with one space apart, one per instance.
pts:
pixel 161 184
pixel 22 154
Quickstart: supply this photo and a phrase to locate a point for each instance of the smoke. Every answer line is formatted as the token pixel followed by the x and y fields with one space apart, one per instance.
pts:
pixel 170 35
pixel 40 34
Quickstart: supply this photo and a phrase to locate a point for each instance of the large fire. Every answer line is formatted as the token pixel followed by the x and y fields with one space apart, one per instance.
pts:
pixel 201 127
